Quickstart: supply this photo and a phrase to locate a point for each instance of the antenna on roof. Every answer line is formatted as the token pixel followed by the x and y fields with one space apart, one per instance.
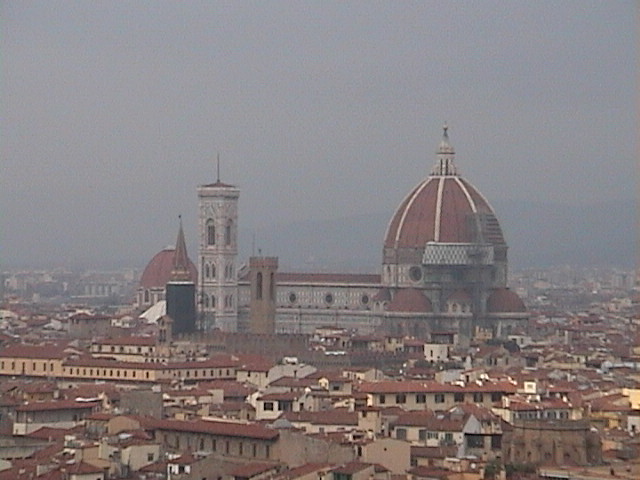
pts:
pixel 218 167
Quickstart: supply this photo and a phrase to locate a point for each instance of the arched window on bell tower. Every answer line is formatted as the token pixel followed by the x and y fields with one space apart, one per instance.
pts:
pixel 211 232
pixel 272 287
pixel 227 232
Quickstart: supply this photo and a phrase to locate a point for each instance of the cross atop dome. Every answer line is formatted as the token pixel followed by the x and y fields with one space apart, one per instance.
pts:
pixel 445 154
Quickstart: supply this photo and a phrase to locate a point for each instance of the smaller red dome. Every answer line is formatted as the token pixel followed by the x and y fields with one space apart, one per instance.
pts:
pixel 158 271
pixel 382 295
pixel 503 300
pixel 410 300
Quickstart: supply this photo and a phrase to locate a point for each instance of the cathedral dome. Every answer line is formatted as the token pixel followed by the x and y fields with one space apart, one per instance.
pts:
pixel 503 300
pixel 158 271
pixel 443 208
pixel 410 300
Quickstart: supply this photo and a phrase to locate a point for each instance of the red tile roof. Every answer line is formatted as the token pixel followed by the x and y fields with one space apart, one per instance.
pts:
pixel 410 300
pixel 230 429
pixel 158 271
pixel 44 352
pixel 329 278
pixel 57 405
pixel 411 386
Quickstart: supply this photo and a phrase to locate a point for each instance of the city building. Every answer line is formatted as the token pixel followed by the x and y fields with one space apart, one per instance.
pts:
pixel 444 271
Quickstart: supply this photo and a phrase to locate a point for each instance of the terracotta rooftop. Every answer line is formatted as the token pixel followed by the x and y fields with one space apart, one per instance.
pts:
pixel 410 300
pixel 57 405
pixel 246 430
pixel 44 352
pixel 328 278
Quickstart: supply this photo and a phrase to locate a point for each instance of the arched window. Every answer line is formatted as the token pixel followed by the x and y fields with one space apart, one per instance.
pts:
pixel 213 301
pixel 205 300
pixel 207 271
pixel 259 286
pixel 146 296
pixel 211 232
pixel 272 287
pixel 227 232
pixel 213 270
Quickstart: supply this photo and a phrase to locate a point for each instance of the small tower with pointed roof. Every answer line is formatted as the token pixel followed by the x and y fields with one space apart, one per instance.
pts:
pixel 217 255
pixel 180 290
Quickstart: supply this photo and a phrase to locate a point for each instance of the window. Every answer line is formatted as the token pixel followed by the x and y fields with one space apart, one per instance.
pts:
pixel 401 398
pixel 439 397
pixel 421 398
pixel 268 406
pixel 458 397
pixel 213 270
pixel 477 397
pixel 415 273
pixel 259 286
pixel 227 233
pixel 401 433
pixel 448 437
pixel 496 442
pixel 207 271
pixel 475 441
pixel 272 287
pixel 382 399
pixel 150 457
pixel 422 434
pixel 211 232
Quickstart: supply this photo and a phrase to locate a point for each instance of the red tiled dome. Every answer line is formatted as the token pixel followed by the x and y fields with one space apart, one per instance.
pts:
pixel 443 208
pixel 410 300
pixel 382 295
pixel 438 210
pixel 503 300
pixel 158 271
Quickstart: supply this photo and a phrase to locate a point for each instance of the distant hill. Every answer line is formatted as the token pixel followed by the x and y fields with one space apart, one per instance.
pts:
pixel 538 234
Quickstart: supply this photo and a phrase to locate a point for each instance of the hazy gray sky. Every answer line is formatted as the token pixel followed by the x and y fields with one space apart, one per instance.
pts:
pixel 113 112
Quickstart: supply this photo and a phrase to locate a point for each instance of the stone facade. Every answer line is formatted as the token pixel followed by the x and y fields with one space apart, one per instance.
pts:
pixel 217 256
pixel 562 442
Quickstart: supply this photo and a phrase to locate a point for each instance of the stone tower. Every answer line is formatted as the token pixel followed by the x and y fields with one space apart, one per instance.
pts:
pixel 180 290
pixel 262 278
pixel 217 256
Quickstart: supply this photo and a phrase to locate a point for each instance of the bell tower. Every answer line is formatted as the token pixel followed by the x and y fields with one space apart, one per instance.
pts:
pixel 217 255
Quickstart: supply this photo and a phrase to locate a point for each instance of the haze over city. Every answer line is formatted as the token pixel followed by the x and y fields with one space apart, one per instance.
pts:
pixel 114 112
